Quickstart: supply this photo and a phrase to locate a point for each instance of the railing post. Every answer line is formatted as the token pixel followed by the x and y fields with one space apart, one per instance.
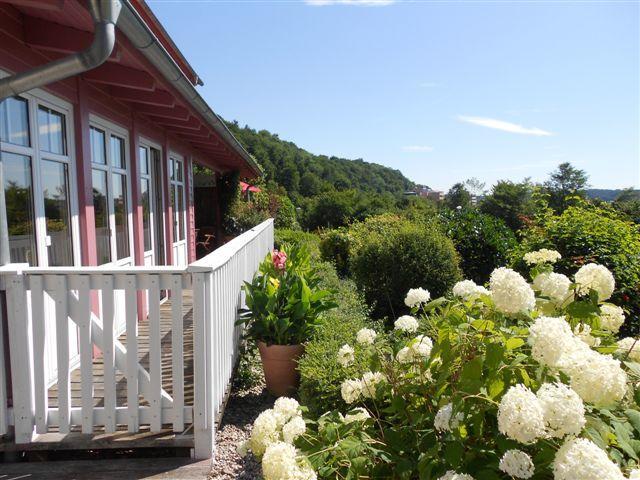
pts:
pixel 203 421
pixel 20 343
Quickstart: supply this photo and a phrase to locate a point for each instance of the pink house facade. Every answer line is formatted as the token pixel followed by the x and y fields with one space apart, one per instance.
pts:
pixel 97 206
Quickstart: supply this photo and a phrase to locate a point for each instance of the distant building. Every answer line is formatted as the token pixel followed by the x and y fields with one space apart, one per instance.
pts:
pixel 427 192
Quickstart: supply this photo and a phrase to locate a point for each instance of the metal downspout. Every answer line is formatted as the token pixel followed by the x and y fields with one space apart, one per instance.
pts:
pixel 105 16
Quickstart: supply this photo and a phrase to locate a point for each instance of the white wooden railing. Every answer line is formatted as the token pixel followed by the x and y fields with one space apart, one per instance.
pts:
pixel 45 305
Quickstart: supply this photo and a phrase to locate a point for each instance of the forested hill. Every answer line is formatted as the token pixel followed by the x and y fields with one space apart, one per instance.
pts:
pixel 306 174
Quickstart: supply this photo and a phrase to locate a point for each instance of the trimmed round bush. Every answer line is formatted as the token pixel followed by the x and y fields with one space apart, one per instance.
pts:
pixel 387 262
pixel 334 247
pixel 483 242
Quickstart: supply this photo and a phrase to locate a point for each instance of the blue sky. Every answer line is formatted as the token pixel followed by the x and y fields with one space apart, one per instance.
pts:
pixel 443 91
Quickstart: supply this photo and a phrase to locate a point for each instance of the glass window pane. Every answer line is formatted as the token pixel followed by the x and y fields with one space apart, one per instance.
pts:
pixel 144 161
pixel 56 210
pixel 120 212
pixel 98 154
pixel 51 128
pixel 14 121
pixel 101 213
pixel 19 201
pixel 117 152
pixel 146 213
pixel 172 168
pixel 178 170
pixel 180 212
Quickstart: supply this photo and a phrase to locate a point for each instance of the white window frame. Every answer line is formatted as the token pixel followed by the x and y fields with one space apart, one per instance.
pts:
pixel 35 98
pixel 110 128
pixel 159 216
pixel 173 185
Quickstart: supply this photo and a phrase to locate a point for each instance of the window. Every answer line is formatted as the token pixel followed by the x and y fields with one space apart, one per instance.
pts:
pixel 110 192
pixel 176 169
pixel 36 165
pixel 145 192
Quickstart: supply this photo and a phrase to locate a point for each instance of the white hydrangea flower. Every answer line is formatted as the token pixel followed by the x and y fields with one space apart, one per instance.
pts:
pixel 597 378
pixel 517 464
pixel 549 338
pixel 595 277
pixel 369 382
pixel 510 291
pixel 416 296
pixel 356 415
pixel 520 415
pixel 351 390
pixel 406 323
pixel 583 332
pixel 562 409
pixel 544 255
pixel 553 285
pixel 287 408
pixel 468 290
pixel 452 475
pixel 243 448
pixel 611 317
pixel 629 347
pixel 265 431
pixel 293 429
pixel 346 355
pixel 282 462
pixel 443 421
pixel 581 459
pixel 366 336
pixel 417 349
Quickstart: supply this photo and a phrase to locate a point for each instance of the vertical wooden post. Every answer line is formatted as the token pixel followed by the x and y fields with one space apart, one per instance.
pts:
pixel 21 358
pixel 203 428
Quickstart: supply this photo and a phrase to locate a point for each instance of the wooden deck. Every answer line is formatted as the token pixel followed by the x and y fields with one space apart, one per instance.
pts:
pixel 123 439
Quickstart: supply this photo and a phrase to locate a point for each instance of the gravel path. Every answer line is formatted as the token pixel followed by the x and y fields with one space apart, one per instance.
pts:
pixel 248 399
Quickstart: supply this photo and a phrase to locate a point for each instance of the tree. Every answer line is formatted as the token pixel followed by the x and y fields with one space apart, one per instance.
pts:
pixel 475 186
pixel 509 201
pixel 628 202
pixel 564 182
pixel 458 196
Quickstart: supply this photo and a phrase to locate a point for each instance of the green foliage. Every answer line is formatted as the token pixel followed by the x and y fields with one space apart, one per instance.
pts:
pixel 319 373
pixel 585 234
pixel 474 356
pixel 628 203
pixel 270 202
pixel 334 247
pixel 565 182
pixel 458 196
pixel 511 202
pixel 305 174
pixel 310 241
pixel 483 241
pixel 284 301
pixel 389 256
pixel 228 191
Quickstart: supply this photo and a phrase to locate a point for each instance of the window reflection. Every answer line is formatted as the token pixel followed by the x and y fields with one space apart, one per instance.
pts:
pixel 51 128
pixel 146 213
pixel 19 200
pixel 98 154
pixel 117 152
pixel 101 214
pixel 120 213
pixel 14 121
pixel 56 209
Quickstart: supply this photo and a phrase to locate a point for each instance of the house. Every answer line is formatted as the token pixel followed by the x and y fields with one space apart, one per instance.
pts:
pixel 100 128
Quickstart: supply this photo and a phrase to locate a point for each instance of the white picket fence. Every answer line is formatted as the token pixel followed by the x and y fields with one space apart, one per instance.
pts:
pixel 42 303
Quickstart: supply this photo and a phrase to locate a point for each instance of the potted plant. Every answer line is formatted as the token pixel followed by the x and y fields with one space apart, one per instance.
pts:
pixel 284 303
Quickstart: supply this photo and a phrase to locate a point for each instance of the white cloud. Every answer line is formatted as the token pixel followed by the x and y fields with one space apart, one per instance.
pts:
pixel 417 148
pixel 504 126
pixel 362 3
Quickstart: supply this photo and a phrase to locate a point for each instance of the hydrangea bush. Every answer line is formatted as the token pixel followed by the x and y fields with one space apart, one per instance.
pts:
pixel 521 380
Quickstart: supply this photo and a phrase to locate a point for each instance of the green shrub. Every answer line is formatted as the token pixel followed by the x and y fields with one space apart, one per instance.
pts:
pixel 297 237
pixel 584 234
pixel 334 247
pixel 319 375
pixel 483 241
pixel 389 258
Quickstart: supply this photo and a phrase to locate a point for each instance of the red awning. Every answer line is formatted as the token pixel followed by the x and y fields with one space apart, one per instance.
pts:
pixel 245 186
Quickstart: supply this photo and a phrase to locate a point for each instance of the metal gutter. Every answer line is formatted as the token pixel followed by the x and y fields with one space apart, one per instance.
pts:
pixel 105 15
pixel 133 26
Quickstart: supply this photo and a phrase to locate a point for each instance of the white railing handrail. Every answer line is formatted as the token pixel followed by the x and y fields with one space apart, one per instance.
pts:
pixel 108 270
pixel 223 254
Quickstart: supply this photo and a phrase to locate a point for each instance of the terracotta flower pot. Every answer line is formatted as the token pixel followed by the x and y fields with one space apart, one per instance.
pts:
pixel 279 363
